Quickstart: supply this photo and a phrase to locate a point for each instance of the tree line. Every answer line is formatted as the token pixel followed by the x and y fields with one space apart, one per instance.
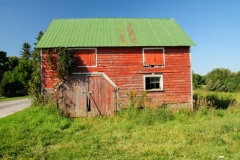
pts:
pixel 20 76
pixel 219 79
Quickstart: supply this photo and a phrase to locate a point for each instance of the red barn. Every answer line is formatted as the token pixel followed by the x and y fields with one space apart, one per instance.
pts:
pixel 116 56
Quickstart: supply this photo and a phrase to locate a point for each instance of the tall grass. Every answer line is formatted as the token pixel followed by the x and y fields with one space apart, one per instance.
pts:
pixel 218 100
pixel 42 133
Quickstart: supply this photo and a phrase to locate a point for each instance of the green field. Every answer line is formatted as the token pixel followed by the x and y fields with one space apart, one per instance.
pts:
pixel 43 133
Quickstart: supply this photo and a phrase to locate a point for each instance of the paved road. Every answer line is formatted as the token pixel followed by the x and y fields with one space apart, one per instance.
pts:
pixel 10 107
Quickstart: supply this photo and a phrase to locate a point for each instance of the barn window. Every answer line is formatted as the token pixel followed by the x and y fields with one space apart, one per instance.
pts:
pixel 153 57
pixel 153 82
pixel 86 57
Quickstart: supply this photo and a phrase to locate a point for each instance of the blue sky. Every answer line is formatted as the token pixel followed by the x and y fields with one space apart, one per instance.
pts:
pixel 214 25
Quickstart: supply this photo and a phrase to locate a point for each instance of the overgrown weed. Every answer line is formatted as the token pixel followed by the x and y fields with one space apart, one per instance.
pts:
pixel 218 100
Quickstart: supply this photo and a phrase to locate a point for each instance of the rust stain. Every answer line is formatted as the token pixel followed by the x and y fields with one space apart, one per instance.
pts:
pixel 131 33
pixel 121 37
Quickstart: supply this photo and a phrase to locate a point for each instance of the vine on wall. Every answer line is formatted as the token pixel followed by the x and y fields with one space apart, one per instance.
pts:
pixel 64 63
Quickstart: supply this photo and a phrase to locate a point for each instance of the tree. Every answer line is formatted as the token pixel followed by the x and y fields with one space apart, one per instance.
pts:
pixel 12 62
pixel 17 79
pixel 223 80
pixel 10 84
pixel 40 34
pixel 35 82
pixel 197 80
pixel 3 63
pixel 26 51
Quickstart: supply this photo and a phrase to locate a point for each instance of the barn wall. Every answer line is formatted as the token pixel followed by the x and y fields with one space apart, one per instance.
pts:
pixel 124 66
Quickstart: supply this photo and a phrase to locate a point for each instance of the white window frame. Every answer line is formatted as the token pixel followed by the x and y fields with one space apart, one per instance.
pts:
pixel 153 75
pixel 143 49
pixel 87 49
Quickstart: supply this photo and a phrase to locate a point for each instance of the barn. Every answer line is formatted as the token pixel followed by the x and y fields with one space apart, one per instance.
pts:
pixel 116 56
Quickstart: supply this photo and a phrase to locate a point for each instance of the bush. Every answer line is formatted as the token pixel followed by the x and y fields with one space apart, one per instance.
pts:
pixel 11 89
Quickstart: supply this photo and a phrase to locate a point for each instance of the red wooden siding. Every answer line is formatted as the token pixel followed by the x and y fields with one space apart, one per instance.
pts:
pixel 153 57
pixel 85 57
pixel 124 66
pixel 49 79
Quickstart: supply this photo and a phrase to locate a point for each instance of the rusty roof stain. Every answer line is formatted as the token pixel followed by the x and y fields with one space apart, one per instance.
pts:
pixel 131 33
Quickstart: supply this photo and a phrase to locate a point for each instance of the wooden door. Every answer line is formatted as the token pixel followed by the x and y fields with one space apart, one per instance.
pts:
pixel 86 95
pixel 71 97
pixel 102 97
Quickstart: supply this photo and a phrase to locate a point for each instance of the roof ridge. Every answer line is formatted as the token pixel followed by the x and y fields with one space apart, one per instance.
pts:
pixel 108 18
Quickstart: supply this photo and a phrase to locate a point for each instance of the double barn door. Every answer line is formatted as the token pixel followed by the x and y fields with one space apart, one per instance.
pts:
pixel 84 95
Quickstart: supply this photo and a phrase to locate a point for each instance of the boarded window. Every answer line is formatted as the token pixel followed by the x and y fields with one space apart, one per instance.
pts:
pixel 153 82
pixel 85 57
pixel 153 57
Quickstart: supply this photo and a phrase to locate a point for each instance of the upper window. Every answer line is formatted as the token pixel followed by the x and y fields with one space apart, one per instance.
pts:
pixel 153 57
pixel 153 82
pixel 86 57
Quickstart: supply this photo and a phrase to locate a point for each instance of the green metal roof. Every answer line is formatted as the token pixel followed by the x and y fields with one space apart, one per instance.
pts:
pixel 114 32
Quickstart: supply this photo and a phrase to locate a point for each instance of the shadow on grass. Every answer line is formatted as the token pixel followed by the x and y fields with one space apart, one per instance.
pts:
pixel 216 101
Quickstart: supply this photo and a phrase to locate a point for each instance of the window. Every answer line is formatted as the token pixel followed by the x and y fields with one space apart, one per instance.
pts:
pixel 153 57
pixel 153 82
pixel 86 57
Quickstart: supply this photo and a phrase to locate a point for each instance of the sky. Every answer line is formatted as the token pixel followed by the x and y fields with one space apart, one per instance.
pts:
pixel 214 25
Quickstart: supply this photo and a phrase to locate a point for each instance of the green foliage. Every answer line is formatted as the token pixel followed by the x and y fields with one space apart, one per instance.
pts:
pixel 10 88
pixel 197 80
pixel 26 51
pixel 214 100
pixel 66 63
pixel 15 73
pixel 35 82
pixel 40 34
pixel 147 116
pixel 132 97
pixel 12 62
pixel 42 133
pixel 3 63
pixel 17 79
pixel 23 71
pixel 136 102
pixel 6 64
pixel 222 80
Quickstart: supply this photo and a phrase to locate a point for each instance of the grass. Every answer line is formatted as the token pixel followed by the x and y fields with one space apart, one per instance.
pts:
pixel 3 99
pixel 42 133
pixel 217 100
